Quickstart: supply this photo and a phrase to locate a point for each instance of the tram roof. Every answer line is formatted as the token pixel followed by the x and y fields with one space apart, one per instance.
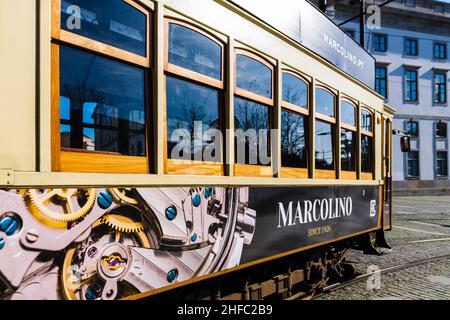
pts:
pixel 304 23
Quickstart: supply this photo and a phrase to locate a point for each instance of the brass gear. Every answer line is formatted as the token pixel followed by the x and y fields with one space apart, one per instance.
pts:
pixel 61 198
pixel 120 194
pixel 122 223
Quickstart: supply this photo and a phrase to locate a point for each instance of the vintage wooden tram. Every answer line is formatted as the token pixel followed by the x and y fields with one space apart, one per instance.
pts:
pixel 151 146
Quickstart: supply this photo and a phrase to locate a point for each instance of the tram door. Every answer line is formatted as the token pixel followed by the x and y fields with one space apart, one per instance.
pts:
pixel 387 192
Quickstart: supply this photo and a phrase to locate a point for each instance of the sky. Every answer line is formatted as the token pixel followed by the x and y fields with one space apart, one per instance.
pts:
pixel 447 1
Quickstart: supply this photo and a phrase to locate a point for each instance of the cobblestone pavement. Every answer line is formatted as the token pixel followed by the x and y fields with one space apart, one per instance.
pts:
pixel 421 229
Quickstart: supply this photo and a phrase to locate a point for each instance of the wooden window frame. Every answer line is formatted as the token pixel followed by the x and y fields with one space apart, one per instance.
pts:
pixel 350 175
pixel 246 170
pixel 370 134
pixel 291 172
pixel 320 173
pixel 84 161
pixel 192 167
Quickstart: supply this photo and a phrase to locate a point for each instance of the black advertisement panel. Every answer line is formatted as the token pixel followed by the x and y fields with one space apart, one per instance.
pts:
pixel 293 217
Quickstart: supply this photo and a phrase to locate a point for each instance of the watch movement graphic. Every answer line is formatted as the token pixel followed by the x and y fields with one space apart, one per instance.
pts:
pixel 105 244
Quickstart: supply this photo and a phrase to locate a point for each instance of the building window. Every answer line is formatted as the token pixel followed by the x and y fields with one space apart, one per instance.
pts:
pixel 438 7
pixel 325 133
pixel 440 51
pixel 412 128
pixel 440 87
pixel 379 42
pixel 101 116
pixel 348 139
pixel 294 120
pixel 413 164
pixel 252 109
pixel 441 129
pixel 411 85
pixel 367 156
pixel 194 93
pixel 441 163
pixel 409 3
pixel 350 33
pixel 381 80
pixel 411 47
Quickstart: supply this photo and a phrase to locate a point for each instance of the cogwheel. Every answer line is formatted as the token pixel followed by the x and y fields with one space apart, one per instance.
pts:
pixel 122 223
pixel 121 194
pixel 59 206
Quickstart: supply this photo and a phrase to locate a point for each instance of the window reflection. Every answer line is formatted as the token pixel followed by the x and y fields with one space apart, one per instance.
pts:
pixel 252 120
pixel 194 109
pixel 295 90
pixel 366 121
pixel 366 154
pixel 324 146
pixel 348 114
pixel 194 51
pixel 348 153
pixel 102 104
pixel 113 22
pixel 293 142
pixel 324 102
pixel 253 76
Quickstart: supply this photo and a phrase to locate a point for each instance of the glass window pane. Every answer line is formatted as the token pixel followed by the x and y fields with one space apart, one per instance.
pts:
pixel 252 124
pixel 324 102
pixel 366 121
pixel 293 140
pixel 442 163
pixel 253 76
pixel 295 90
pixel 412 128
pixel 348 147
pixel 191 111
pixel 102 104
pixel 348 113
pixel 194 51
pixel 413 164
pixel 113 22
pixel 324 146
pixel 366 154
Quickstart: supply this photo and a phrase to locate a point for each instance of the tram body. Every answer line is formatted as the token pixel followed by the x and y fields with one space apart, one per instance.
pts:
pixel 95 204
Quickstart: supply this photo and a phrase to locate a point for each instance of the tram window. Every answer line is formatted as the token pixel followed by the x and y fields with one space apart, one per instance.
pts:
pixel 348 150
pixel 295 90
pixel 293 140
pixel 348 139
pixel 366 154
pixel 112 22
pixel 348 113
pixel 366 121
pixel 194 96
pixel 192 110
pixel 194 51
pixel 253 76
pixel 252 125
pixel 325 102
pixel 101 110
pixel 324 137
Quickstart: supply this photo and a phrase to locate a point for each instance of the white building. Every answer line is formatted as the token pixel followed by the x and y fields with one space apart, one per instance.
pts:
pixel 411 50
